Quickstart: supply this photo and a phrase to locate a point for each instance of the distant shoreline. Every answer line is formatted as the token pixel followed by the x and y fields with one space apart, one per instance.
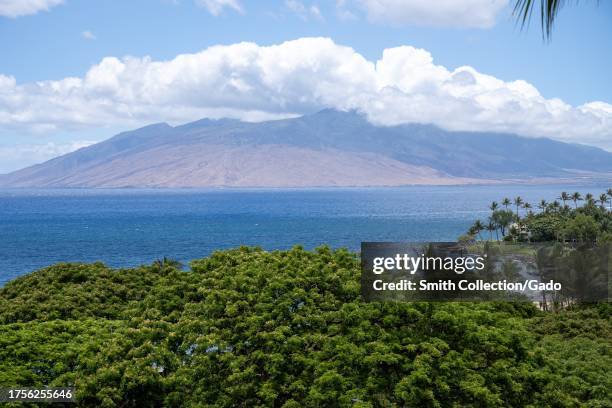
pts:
pixel 505 182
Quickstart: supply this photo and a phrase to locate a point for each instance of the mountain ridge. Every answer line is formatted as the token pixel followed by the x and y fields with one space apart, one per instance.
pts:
pixel 327 148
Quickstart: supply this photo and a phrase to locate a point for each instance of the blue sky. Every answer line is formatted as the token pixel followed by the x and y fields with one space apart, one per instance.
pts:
pixel 68 38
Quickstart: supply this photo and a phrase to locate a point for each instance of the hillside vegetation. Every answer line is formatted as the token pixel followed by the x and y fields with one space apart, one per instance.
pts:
pixel 252 328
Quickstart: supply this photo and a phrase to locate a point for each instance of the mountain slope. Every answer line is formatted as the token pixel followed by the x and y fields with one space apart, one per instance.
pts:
pixel 329 148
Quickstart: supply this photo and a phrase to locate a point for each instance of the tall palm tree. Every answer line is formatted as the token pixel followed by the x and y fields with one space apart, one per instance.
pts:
pixel 589 199
pixel 491 228
pixel 506 201
pixel 527 206
pixel 564 197
pixel 575 198
pixel 518 201
pixel 477 227
pixel 502 220
pixel 543 205
pixel 494 206
pixel 523 9
pixel 603 199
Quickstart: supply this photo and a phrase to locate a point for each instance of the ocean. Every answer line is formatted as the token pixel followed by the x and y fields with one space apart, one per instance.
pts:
pixel 129 227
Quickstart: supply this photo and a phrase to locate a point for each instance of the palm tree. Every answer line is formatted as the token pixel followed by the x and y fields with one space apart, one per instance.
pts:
pixel 518 201
pixel 477 227
pixel 549 9
pixel 555 205
pixel 590 200
pixel 527 206
pixel 564 197
pixel 543 205
pixel 491 228
pixel 575 198
pixel 493 206
pixel 503 219
pixel 493 220
pixel 506 202
pixel 603 199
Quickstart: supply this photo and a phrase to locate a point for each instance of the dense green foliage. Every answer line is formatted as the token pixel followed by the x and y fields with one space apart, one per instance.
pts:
pixel 554 221
pixel 288 329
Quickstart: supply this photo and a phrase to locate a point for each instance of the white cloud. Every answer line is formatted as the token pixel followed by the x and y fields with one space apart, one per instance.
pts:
pixel 302 11
pixel 88 35
pixel 343 12
pixel 17 8
pixel 438 13
pixel 316 12
pixel 19 156
pixel 253 82
pixel 215 7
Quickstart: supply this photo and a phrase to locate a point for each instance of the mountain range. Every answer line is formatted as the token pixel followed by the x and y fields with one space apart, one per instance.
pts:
pixel 327 148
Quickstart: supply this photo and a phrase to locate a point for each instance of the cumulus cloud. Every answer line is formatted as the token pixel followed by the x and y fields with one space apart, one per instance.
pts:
pixel 439 13
pixel 216 7
pixel 17 8
pixel 253 82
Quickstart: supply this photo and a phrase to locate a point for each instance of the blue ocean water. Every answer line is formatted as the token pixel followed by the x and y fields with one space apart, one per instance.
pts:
pixel 131 227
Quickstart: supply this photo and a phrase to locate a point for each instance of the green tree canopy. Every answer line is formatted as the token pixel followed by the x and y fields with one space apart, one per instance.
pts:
pixel 247 327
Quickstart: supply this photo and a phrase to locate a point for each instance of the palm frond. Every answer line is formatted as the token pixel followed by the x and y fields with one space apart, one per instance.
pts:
pixel 549 9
